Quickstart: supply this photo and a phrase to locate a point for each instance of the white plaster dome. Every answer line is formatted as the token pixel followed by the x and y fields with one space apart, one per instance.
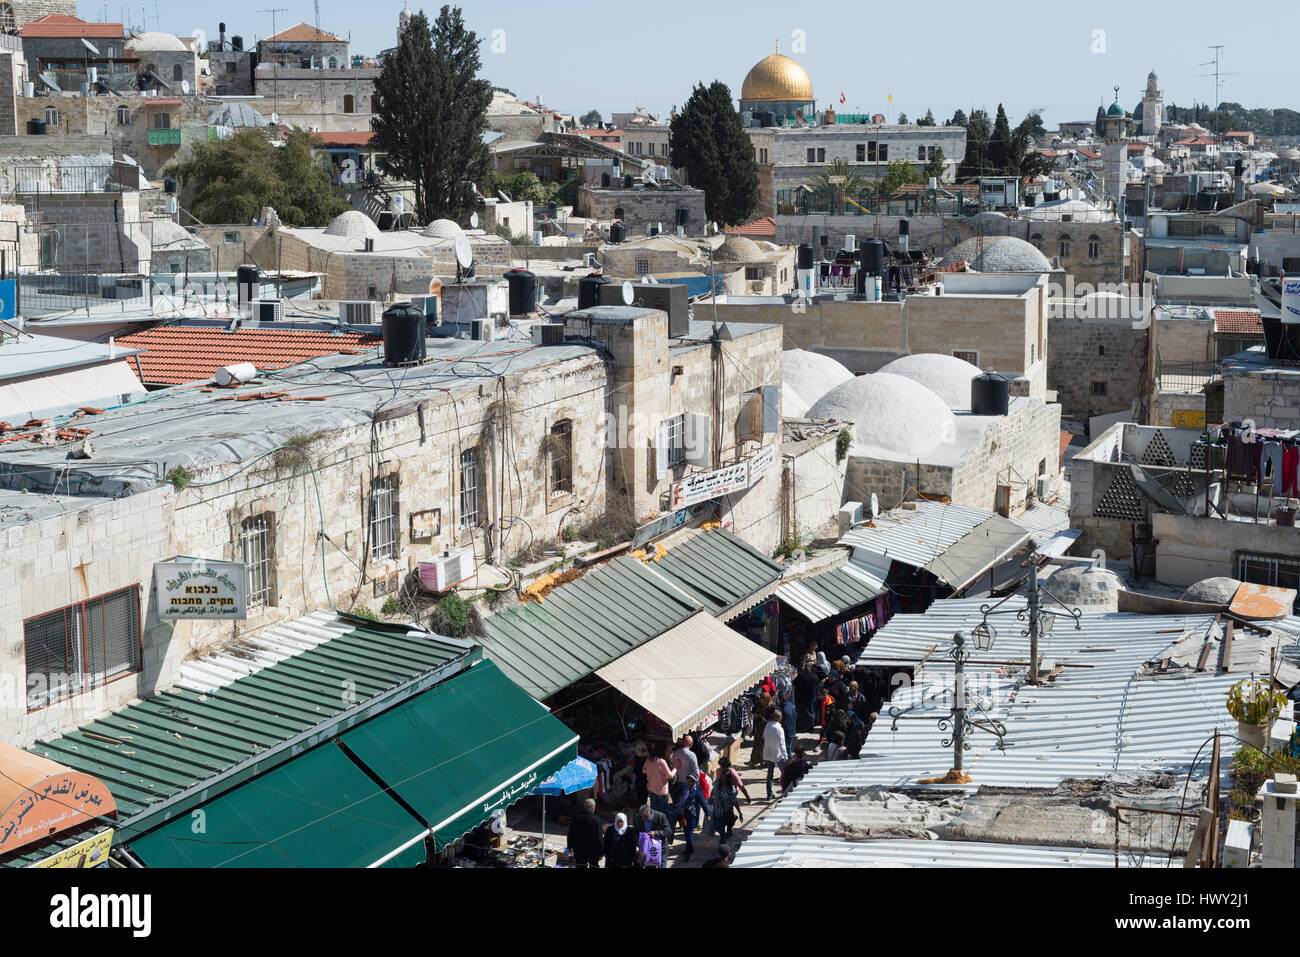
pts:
pixel 889 412
pixel 352 223
pixel 442 229
pixel 793 405
pixel 946 376
pixel 1086 587
pixel 999 254
pixel 155 42
pixel 810 375
pixel 1212 591
pixel 738 249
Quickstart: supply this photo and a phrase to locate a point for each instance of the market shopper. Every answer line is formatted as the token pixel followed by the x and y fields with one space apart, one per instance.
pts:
pixel 793 770
pixel 653 825
pixel 789 721
pixel 686 773
pixel 640 755
pixel 657 776
pixel 586 841
pixel 701 750
pixel 620 843
pixel 761 706
pixel 774 750
pixel 805 693
pixel 726 784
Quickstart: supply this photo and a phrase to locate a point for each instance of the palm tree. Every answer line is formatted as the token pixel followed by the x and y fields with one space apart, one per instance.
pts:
pixel 839 177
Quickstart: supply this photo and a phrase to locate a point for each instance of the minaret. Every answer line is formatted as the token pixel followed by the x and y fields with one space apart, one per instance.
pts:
pixel 1114 153
pixel 1153 106
pixel 403 20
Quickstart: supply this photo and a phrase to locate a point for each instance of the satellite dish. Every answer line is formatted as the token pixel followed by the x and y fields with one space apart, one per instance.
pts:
pixel 473 220
pixel 464 252
pixel 628 294
pixel 875 505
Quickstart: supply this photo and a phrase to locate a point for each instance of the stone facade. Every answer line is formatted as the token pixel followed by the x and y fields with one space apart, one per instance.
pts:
pixel 101 232
pixel 1192 548
pixel 1269 395
pixel 859 146
pixel 27 10
pixel 1094 365
pixel 641 206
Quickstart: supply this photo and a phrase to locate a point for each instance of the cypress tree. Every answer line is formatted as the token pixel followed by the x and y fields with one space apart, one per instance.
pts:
pixel 1000 143
pixel 711 144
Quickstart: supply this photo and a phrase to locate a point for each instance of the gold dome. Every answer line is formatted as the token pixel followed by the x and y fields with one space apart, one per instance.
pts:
pixel 777 77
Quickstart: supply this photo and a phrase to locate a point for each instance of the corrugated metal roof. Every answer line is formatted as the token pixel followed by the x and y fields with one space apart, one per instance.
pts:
pixel 1095 720
pixel 690 671
pixel 720 570
pixel 828 852
pixel 584 625
pixel 164 755
pixel 829 593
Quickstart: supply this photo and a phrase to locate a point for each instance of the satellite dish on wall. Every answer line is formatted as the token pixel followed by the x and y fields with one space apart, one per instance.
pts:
pixel 628 294
pixel 464 252
pixel 875 505
pixel 473 220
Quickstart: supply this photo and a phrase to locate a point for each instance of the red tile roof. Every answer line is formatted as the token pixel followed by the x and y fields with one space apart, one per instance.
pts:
pixel 345 138
pixel 1238 322
pixel 175 355
pixel 62 25
pixel 302 33
pixel 762 228
pixel 1195 141
pixel 1088 153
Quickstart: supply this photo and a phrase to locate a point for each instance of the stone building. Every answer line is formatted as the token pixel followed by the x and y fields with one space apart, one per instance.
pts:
pixel 164 57
pixel 15 14
pixel 305 46
pixel 333 500
pixel 641 206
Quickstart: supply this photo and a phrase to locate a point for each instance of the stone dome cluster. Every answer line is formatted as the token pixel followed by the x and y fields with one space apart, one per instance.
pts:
pixel 352 223
pixel 889 412
pixel 805 378
pixel 946 376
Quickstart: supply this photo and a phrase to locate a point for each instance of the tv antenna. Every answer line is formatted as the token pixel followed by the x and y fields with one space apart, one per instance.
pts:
pixel 1218 72
pixel 275 61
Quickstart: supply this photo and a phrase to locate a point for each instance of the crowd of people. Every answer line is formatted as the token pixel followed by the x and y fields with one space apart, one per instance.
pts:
pixel 680 790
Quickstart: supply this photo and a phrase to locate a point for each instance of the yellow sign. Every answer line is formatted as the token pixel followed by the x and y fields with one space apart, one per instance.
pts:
pixel 92 852
pixel 1188 419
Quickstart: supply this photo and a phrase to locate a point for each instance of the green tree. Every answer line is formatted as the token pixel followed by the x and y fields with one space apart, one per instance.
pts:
pixel 902 118
pixel 1033 124
pixel 432 114
pixel 978 132
pixel 898 173
pixel 927 120
pixel 233 179
pixel 958 119
pixel 1000 142
pixel 937 166
pixel 710 143
pixel 848 182
pixel 1023 159
pixel 590 119
pixel 1099 123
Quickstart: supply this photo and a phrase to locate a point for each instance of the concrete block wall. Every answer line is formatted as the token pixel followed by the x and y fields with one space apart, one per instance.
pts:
pixel 1084 351
pixel 1270 396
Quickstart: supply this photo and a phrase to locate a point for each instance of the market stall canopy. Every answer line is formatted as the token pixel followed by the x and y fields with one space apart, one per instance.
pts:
pixel 825 595
pixel 725 573
pixel 464 750
pixel 584 625
pixel 987 545
pixel 40 798
pixel 689 672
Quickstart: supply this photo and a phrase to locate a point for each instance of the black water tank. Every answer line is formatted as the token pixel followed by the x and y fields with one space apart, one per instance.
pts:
pixel 628 181
pixel 35 127
pixel 1281 340
pixel 404 329
pixel 904 228
pixel 237 44
pixel 605 180
pixel 1204 201
pixel 805 254
pixel 169 186
pixel 873 257
pixel 589 290
pixel 617 233
pixel 523 291
pixel 990 394
pixel 248 282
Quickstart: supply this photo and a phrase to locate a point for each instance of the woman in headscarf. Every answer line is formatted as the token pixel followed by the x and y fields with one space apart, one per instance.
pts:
pixel 620 843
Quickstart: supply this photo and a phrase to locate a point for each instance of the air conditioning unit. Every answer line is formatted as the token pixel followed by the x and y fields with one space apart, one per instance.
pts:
pixel 268 310
pixel 548 334
pixel 429 306
pixel 447 570
pixel 850 514
pixel 482 330
pixel 1044 487
pixel 359 312
pixel 589 260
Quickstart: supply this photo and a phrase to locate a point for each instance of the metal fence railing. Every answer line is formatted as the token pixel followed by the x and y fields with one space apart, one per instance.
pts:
pixel 56 178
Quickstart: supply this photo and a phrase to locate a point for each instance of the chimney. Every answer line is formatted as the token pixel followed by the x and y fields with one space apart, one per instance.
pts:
pixel 1277 822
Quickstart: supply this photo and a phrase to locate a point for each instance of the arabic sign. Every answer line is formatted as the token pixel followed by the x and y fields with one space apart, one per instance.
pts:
pixel 707 485
pixel 196 588
pixel 665 524
pixel 92 852
pixel 760 462
pixel 1291 301
pixel 53 804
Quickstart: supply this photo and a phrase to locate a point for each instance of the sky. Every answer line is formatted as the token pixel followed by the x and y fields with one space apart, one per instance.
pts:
pixel 578 55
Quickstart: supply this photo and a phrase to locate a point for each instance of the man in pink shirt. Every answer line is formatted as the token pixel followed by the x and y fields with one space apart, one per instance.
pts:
pixel 657 777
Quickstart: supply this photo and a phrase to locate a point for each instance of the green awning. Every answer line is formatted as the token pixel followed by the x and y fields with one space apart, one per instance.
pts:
pixel 318 810
pixel 463 750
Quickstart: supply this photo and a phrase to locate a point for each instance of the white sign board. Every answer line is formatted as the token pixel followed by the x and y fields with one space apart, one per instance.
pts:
pixel 760 462
pixel 1291 300
pixel 195 588
pixel 707 485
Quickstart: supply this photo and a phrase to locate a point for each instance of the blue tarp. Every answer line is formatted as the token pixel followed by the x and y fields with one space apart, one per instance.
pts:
pixel 578 775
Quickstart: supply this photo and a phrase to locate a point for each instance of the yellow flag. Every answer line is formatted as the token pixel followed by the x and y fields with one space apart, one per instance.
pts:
pixel 891 98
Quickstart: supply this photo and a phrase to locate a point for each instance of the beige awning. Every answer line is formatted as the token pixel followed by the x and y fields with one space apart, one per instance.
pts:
pixel 689 671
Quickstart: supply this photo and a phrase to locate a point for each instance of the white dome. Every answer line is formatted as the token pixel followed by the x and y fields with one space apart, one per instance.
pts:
pixel 793 405
pixel 999 254
pixel 352 223
pixel 811 375
pixel 442 229
pixel 946 376
pixel 889 412
pixel 154 42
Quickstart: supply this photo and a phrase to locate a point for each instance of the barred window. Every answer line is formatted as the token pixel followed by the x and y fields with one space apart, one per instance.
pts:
pixel 123 116
pixel 81 646
pixel 1094 247
pixel 255 552
pixel 1268 570
pixel 562 457
pixel 1065 247
pixel 7 20
pixel 469 507
pixel 51 116
pixel 383 518
pixel 642 267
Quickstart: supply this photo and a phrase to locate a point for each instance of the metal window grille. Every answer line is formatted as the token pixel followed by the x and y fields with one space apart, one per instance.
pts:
pixel 1268 570
pixel 642 267
pixel 677 441
pixel 383 518
pixel 81 646
pixel 972 357
pixel 469 517
pixel 255 550
pixel 562 458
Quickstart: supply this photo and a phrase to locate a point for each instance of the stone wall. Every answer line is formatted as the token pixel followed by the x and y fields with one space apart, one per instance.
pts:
pixel 641 207
pixel 1191 548
pixel 1085 351
pixel 1269 395
pixel 91 232
pixel 27 10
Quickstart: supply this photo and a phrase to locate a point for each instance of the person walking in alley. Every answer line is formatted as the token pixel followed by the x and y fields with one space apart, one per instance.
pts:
pixel 657 777
pixel 620 843
pixel 654 834
pixel 774 750
pixel 805 693
pixel 585 838
pixel 726 784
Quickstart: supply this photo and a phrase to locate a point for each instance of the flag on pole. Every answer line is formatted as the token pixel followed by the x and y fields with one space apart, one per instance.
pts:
pixel 891 98
pixel 843 99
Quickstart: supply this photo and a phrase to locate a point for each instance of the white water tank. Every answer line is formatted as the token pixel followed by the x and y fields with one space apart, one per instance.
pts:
pixel 236 374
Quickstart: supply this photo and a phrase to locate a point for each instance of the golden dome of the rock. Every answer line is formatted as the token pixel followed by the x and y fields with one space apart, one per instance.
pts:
pixel 777 77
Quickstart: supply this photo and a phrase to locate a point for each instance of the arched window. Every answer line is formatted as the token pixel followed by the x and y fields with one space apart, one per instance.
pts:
pixel 1065 247
pixel 1094 246
pixel 51 116
pixel 1037 240
pixel 7 21
pixel 332 63
pixel 123 116
pixel 560 453
pixel 178 72
pixel 347 103
pixel 618 212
